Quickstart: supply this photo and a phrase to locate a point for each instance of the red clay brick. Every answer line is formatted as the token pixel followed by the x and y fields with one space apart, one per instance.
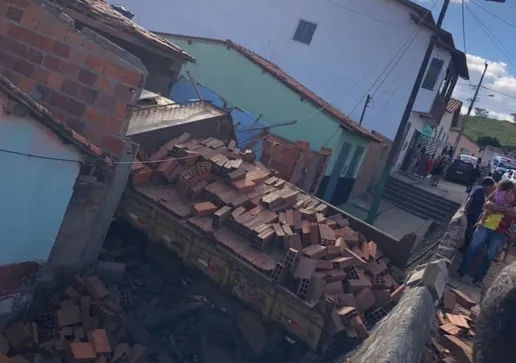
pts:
pixel 142 176
pixel 99 341
pixel 71 88
pixel 69 70
pixel 31 17
pixel 87 77
pixel 106 103
pixel 133 78
pixel 34 55
pixel 398 293
pixel 114 70
pixel 243 186
pixel 113 144
pixel 359 327
pixel 53 29
pixel 460 351
pixel 75 107
pixel 95 287
pixel 96 64
pixel 17 48
pixel 88 95
pixel 22 4
pixel 5 359
pixel 68 316
pixel 82 352
pixel 123 92
pixel 59 100
pixel 14 14
pixel 61 49
pixel 364 299
pixel 52 63
pixel 26 85
pixel 55 82
pixel 105 85
pixel 24 67
pixel 204 209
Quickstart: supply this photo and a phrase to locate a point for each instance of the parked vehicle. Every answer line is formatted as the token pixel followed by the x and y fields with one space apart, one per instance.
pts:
pixel 460 168
pixel 501 165
pixel 510 175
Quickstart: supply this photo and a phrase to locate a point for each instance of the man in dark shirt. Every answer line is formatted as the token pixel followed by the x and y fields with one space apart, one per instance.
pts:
pixel 473 207
pixel 473 176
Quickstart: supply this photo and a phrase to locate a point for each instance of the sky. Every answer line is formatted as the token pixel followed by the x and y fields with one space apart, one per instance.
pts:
pixel 498 49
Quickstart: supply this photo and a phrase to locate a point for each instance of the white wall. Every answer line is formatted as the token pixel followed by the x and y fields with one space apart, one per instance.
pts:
pixel 347 54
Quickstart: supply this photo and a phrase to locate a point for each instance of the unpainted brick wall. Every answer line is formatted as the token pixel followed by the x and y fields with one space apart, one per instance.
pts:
pixel 85 80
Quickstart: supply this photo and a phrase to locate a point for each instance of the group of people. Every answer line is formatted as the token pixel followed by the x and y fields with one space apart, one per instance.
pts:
pixel 423 164
pixel 491 215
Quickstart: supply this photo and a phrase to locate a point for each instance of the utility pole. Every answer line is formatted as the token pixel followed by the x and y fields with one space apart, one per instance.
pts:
pixel 466 119
pixel 368 99
pixel 398 139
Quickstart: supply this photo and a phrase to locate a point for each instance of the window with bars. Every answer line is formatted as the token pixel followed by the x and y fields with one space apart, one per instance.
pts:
pixel 305 31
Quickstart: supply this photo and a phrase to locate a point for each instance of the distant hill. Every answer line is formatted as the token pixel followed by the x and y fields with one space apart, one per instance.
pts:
pixel 504 131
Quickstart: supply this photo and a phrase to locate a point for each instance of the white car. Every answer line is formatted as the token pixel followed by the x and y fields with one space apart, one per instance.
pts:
pixel 511 175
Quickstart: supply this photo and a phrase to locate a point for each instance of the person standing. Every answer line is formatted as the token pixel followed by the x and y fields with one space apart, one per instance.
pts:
pixel 473 176
pixel 473 208
pixel 414 158
pixel 440 166
pixel 488 237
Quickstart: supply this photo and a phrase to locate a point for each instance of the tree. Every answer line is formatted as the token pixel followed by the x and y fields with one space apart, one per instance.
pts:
pixel 488 141
pixel 481 112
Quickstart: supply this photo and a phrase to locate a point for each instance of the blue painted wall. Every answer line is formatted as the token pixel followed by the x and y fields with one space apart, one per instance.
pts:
pixel 34 193
pixel 183 91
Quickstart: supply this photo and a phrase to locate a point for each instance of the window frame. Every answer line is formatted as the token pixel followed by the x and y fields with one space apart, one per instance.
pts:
pixel 426 83
pixel 353 166
pixel 303 35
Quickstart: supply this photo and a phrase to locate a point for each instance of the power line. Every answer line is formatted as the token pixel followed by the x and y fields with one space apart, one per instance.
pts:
pixel 493 38
pixel 499 92
pixel 463 27
pixel 364 15
pixel 493 14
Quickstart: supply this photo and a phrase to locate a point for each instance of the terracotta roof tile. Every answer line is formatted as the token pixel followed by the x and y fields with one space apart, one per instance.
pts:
pixel 290 82
pixel 101 12
pixel 46 118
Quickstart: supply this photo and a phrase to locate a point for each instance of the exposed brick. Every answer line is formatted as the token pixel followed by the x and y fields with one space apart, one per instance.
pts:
pixel 75 107
pixel 17 334
pixel 142 176
pixel 17 48
pixel 15 32
pixel 71 88
pixel 105 85
pixel 96 64
pixel 57 113
pixel 87 77
pixel 121 109
pixel 26 85
pixel 133 78
pixel 69 315
pixel 11 75
pixel 5 359
pixel 99 341
pixel 77 56
pixel 31 17
pixel 55 81
pixel 95 287
pixel 114 70
pixel 75 124
pixel 40 74
pixel 34 55
pixel 106 103
pixel 59 100
pixel 14 14
pixel 61 49
pixel 123 92
pixel 113 144
pixel 88 95
pixel 53 29
pixel 69 70
pixel 204 209
pixel 22 4
pixel 24 67
pixel 82 352
pixel 8 61
pixel 52 63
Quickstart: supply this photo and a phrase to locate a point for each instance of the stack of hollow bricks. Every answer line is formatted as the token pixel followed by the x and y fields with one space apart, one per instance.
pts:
pixel 86 324
pixel 83 79
pixel 244 206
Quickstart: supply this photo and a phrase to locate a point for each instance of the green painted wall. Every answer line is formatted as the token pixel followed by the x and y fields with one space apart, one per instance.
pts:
pixel 242 83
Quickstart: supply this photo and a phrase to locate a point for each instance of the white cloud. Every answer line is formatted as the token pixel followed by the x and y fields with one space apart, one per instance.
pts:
pixel 497 79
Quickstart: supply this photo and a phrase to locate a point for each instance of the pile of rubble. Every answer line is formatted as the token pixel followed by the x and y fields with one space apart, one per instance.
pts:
pixel 452 340
pixel 235 201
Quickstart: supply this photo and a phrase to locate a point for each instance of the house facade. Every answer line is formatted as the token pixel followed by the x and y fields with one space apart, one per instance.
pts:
pixel 244 79
pixel 466 145
pixel 380 46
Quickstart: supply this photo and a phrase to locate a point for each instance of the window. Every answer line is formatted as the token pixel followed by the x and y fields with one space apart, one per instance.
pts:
pixel 305 31
pixel 353 166
pixel 432 73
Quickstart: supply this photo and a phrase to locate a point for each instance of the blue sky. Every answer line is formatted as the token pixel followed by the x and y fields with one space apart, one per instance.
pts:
pixel 501 74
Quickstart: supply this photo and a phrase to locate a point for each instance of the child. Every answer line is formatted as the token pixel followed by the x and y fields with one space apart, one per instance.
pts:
pixel 502 196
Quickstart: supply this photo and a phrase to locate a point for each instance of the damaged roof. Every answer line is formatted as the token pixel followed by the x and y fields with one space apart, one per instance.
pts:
pixel 46 118
pixel 101 16
pixel 290 82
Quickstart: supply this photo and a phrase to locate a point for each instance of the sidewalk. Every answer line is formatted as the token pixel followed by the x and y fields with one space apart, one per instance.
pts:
pixel 451 191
